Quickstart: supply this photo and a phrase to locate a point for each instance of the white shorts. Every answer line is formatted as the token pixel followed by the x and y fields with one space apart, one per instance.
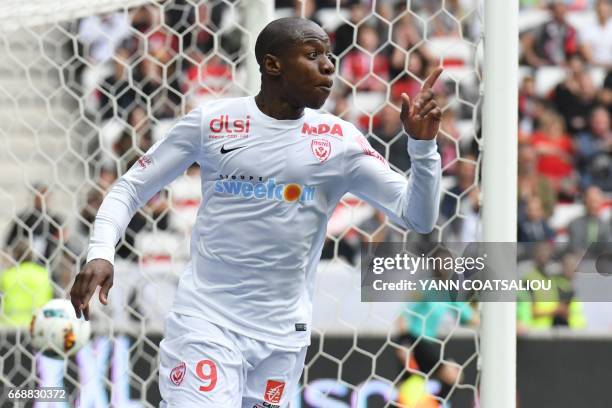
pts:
pixel 205 365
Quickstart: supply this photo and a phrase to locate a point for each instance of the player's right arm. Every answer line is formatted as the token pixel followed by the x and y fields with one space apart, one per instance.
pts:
pixel 164 161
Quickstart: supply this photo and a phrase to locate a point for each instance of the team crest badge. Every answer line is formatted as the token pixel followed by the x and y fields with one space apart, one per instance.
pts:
pixel 274 391
pixel 321 148
pixel 178 373
pixel 144 162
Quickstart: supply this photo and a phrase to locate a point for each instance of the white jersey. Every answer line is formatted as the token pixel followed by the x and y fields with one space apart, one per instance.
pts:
pixel 268 189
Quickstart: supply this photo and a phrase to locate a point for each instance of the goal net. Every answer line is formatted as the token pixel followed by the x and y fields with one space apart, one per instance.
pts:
pixel 87 87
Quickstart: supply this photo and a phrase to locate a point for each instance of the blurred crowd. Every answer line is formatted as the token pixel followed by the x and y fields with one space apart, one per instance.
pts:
pixel 138 71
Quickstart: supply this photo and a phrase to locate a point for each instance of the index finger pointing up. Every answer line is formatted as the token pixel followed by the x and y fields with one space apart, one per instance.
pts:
pixel 432 78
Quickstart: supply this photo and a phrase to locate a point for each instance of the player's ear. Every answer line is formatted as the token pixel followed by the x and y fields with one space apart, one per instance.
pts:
pixel 271 65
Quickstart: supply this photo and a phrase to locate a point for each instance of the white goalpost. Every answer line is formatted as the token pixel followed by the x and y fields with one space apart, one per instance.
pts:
pixel 499 178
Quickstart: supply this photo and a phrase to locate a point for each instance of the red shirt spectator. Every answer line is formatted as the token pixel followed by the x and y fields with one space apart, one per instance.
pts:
pixel 554 147
pixel 359 67
pixel 212 76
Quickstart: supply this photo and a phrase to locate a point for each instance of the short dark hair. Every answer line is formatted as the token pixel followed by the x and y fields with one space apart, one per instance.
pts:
pixel 279 35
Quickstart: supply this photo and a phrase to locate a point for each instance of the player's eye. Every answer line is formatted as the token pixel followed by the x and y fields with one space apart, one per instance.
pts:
pixel 312 55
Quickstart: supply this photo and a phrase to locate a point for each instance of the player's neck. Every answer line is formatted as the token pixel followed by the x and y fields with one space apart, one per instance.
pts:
pixel 276 107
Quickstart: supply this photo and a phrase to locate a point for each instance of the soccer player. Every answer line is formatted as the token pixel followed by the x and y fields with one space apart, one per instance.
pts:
pixel 273 169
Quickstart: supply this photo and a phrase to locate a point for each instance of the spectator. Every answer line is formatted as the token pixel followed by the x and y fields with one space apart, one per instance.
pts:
pixel 127 277
pixel 106 177
pixel 553 42
pixel 426 8
pixel 117 97
pixel 122 148
pixel 135 139
pixel 345 32
pixel 605 94
pixel 389 141
pixel 589 228
pixel 460 204
pixel 25 287
pixel 594 152
pixel 467 225
pixel 160 85
pixel 186 197
pixel 200 29
pixel 534 227
pixel 377 229
pixel 162 43
pixel 465 180
pixel 574 98
pixel 87 217
pixel 555 150
pixel 447 24
pixel 307 9
pixel 341 245
pixel 338 248
pixel 102 34
pixel 145 18
pixel 161 248
pixel 209 79
pixel 365 69
pixel 528 4
pixel 38 226
pixel 530 106
pixel 596 39
pixel 572 311
pixel 340 105
pixel 421 325
pixel 539 308
pixel 533 184
pixel 408 82
pixel 448 141
pixel 406 37
pixel 141 128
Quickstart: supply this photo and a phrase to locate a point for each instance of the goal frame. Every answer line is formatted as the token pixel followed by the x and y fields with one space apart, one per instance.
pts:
pixel 499 178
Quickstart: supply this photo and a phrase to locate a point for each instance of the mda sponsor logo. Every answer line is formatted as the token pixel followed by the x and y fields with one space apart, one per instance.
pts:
pixel 322 129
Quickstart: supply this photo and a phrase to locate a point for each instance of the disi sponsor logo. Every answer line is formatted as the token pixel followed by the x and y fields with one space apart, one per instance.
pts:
pixel 266 190
pixel 224 126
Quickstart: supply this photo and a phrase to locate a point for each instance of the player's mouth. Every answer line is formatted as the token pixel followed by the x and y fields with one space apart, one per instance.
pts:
pixel 326 86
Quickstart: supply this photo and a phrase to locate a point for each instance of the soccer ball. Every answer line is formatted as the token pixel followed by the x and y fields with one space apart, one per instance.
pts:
pixel 56 331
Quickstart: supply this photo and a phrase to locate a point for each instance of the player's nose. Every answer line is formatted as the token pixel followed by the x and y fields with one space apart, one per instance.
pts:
pixel 328 67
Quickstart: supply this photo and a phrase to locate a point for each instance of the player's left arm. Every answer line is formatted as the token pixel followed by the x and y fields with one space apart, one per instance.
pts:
pixel 412 202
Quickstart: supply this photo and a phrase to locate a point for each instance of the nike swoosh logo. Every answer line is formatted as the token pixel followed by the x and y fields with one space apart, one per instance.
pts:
pixel 224 150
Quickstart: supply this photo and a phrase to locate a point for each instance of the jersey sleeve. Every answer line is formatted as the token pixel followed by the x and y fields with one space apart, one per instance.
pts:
pixel 410 202
pixel 161 164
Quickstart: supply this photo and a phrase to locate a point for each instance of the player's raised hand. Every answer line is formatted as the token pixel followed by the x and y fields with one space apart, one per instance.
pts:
pixel 421 117
pixel 97 272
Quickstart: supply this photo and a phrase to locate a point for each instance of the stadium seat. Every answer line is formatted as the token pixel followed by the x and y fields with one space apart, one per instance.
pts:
pixel 547 78
pixel 452 50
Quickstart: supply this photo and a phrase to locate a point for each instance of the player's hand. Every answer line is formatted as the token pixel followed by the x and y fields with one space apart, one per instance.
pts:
pixel 97 272
pixel 421 117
